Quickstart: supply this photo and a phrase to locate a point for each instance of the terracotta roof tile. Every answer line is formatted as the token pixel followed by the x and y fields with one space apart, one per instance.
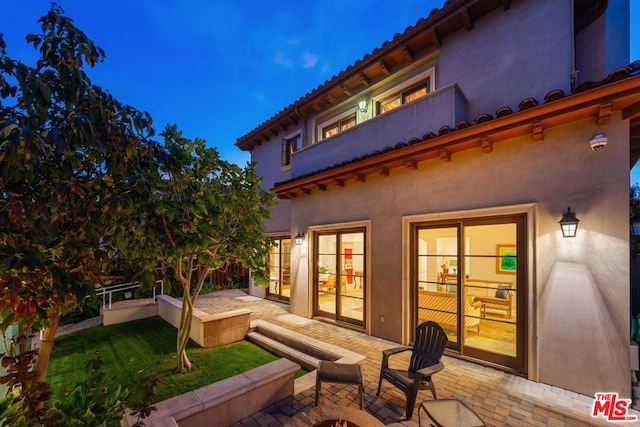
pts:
pixel 554 95
pixel 527 103
pixel 503 111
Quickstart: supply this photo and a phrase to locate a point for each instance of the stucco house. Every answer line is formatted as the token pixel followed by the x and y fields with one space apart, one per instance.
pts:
pixel 427 181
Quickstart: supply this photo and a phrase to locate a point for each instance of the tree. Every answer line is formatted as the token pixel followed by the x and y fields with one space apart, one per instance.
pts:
pixel 77 168
pixel 209 213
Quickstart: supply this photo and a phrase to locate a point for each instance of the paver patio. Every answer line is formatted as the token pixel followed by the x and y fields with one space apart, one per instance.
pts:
pixel 501 399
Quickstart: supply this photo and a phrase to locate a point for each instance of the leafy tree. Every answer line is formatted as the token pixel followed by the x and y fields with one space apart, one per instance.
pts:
pixel 77 168
pixel 209 213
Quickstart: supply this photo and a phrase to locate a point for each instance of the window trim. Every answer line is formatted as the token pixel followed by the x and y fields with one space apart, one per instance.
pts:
pixel 399 89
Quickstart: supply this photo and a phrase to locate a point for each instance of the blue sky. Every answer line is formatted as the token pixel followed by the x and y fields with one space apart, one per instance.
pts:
pixel 219 68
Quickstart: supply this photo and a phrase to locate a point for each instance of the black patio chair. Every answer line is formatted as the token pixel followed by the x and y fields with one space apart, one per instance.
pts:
pixel 426 352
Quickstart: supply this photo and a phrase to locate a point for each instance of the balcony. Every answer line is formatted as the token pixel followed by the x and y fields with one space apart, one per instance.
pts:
pixel 444 107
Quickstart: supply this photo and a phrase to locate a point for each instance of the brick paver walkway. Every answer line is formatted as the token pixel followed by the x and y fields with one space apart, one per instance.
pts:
pixel 499 398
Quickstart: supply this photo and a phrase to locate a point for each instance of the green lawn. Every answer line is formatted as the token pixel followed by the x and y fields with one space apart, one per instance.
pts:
pixel 138 349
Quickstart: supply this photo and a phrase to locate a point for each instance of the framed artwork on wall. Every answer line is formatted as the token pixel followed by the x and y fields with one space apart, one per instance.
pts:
pixel 506 260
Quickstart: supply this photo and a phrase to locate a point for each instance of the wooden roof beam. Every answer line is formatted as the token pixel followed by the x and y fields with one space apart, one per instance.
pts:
pixel 445 156
pixel 435 39
pixel 332 99
pixel 631 112
pixel 300 114
pixel 411 163
pixel 538 132
pixel 305 190
pixel 360 177
pixel 406 53
pixel 383 171
pixel 364 80
pixel 318 104
pixel 346 90
pixel 604 114
pixel 321 187
pixel 338 182
pixel 383 68
pixel 486 145
pixel 466 19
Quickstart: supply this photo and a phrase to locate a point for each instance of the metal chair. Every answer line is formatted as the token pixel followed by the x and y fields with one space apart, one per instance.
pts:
pixel 430 342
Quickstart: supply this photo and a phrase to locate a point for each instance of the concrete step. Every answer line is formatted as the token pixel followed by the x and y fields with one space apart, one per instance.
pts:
pixel 283 350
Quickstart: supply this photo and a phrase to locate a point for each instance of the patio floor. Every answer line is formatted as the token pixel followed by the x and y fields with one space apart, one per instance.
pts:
pixel 499 398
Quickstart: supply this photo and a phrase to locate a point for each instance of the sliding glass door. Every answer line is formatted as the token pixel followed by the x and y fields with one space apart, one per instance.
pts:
pixel 339 276
pixel 470 278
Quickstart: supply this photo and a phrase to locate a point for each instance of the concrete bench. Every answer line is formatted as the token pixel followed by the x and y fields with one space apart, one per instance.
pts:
pixel 208 330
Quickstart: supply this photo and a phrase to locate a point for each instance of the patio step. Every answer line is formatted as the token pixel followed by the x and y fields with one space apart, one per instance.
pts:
pixel 303 359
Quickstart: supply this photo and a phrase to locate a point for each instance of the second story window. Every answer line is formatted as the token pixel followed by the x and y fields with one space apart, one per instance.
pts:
pixel 403 97
pixel 339 126
pixel 290 144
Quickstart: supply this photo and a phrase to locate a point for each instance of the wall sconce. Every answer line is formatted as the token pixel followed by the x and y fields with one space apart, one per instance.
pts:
pixel 569 224
pixel 363 106
pixel 299 238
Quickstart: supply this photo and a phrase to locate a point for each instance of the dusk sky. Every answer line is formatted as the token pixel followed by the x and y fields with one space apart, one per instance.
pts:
pixel 220 68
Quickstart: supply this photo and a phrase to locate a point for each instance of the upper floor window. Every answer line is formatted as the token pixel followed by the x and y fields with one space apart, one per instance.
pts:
pixel 411 89
pixel 404 97
pixel 339 126
pixel 290 144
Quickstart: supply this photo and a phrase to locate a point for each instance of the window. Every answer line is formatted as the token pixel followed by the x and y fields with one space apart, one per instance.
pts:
pixel 290 144
pixel 404 97
pixel 339 126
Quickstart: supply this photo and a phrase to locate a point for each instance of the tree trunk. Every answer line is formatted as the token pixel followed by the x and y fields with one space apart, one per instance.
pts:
pixel 184 329
pixel 46 347
pixel 188 301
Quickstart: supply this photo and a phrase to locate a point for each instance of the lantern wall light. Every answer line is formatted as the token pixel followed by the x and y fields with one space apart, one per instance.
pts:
pixel 299 238
pixel 569 224
pixel 363 106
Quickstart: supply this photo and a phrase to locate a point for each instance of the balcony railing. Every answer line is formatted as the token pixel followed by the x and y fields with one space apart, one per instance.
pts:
pixel 444 107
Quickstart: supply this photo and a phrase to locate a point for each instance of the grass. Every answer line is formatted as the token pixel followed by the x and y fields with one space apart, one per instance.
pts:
pixel 139 349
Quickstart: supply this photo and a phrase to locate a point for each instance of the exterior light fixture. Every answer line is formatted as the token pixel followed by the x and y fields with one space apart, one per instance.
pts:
pixel 569 224
pixel 363 106
pixel 299 238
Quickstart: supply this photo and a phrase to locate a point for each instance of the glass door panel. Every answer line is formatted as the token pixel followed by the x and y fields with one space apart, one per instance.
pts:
pixel 352 261
pixel 274 268
pixel 285 289
pixel 437 274
pixel 280 269
pixel 326 275
pixel 491 286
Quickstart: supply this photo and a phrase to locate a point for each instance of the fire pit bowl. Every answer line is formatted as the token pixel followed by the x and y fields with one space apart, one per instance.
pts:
pixel 328 415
